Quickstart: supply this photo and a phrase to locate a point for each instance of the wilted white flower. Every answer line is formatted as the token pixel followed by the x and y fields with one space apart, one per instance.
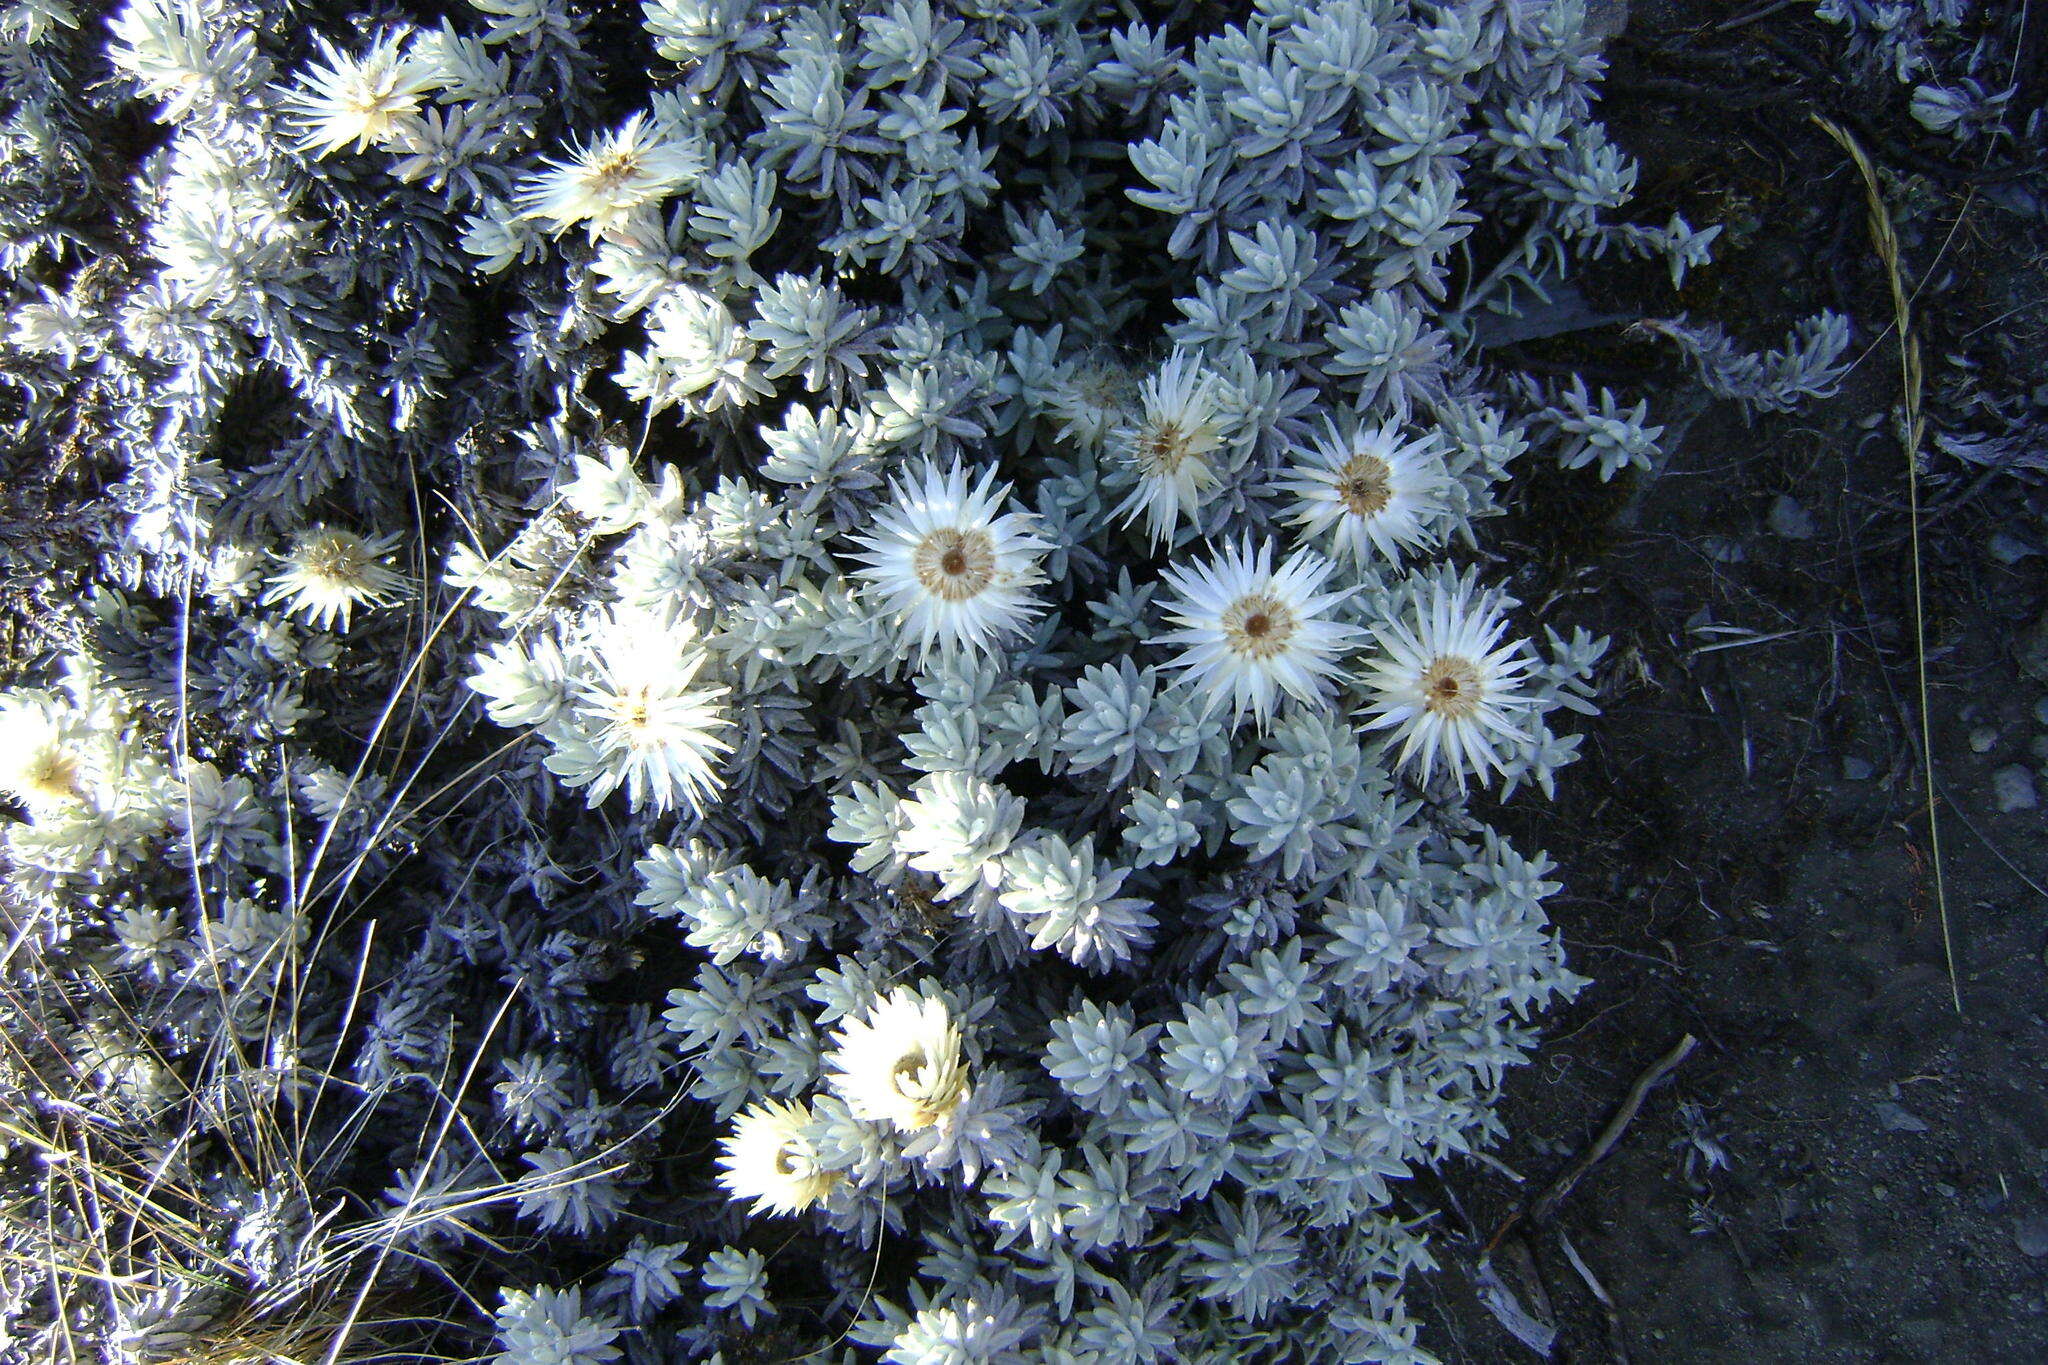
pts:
pixel 900 1062
pixel 354 102
pixel 1446 686
pixel 1170 445
pixel 771 1157
pixel 1253 632
pixel 1092 399
pixel 956 575
pixel 637 722
pixel 330 572
pixel 606 182
pixel 1368 488
pixel 696 349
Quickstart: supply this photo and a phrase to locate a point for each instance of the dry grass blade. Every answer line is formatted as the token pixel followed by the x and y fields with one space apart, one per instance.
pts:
pixel 1911 381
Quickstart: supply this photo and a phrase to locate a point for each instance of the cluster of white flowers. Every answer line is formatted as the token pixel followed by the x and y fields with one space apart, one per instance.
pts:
pixel 913 653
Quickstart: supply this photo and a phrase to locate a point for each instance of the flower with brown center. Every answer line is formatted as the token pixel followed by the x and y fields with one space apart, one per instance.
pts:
pixel 330 572
pixel 1172 446
pixel 356 102
pixel 1254 632
pixel 1446 686
pixel 956 574
pixel 1368 491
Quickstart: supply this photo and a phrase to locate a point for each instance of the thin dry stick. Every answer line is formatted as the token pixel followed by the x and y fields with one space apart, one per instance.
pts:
pixel 1910 382
pixel 1631 1104
pixel 1539 1209
pixel 1617 1338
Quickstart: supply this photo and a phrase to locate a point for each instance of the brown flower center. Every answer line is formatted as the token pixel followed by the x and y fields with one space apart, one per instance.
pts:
pixel 337 559
pixel 1365 483
pixel 1258 625
pixel 955 565
pixel 609 173
pixel 1163 449
pixel 1451 686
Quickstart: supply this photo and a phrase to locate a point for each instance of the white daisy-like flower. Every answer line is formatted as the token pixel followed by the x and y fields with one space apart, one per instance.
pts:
pixel 605 183
pixel 1446 686
pixel 771 1157
pixel 635 721
pixel 1368 490
pixel 1253 632
pixel 955 573
pixel 46 763
pixel 356 102
pixel 1170 446
pixel 900 1062
pixel 330 572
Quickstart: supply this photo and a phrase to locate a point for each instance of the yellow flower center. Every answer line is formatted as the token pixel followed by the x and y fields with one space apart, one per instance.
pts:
pixel 1163 449
pixel 1258 625
pixel 1451 686
pixel 334 559
pixel 53 774
pixel 611 171
pixel 1365 484
pixel 955 565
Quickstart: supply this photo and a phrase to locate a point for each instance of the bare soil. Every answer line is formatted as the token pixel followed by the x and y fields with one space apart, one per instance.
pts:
pixel 1851 1166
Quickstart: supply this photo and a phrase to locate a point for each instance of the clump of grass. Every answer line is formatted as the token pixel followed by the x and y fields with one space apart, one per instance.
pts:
pixel 1913 436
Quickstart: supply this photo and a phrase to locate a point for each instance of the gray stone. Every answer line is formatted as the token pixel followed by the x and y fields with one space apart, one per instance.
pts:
pixel 1789 520
pixel 2032 1234
pixel 2032 650
pixel 2008 548
pixel 2041 711
pixel 1896 1118
pixel 1982 738
pixel 2012 788
pixel 1857 769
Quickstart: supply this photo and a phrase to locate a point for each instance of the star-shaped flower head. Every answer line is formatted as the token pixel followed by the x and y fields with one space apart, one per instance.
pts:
pixel 771 1157
pixel 1253 632
pixel 635 720
pixel 330 572
pixel 606 182
pixel 1368 491
pixel 1170 447
pixel 954 569
pixel 355 102
pixel 1446 686
pixel 899 1063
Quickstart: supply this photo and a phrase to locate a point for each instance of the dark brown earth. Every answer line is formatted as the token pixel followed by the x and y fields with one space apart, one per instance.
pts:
pixel 1848 1167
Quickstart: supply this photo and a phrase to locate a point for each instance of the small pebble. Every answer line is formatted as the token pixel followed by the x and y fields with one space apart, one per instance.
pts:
pixel 2031 649
pixel 2039 747
pixel 2032 1234
pixel 1982 738
pixel 1722 550
pixel 1898 1119
pixel 2041 711
pixel 1789 520
pixel 2012 788
pixel 1857 769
